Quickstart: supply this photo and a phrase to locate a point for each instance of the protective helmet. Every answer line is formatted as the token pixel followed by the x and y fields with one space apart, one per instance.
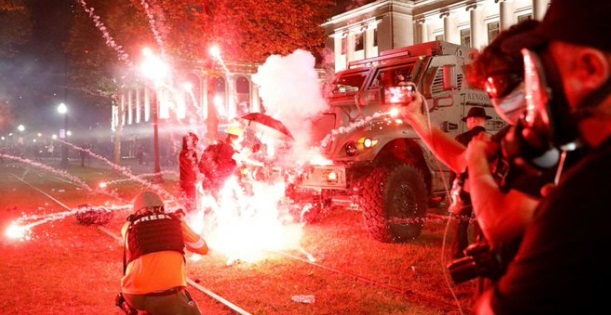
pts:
pixel 147 199
pixel 235 130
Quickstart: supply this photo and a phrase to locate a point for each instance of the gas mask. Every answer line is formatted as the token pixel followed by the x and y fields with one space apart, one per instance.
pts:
pixel 506 92
pixel 511 107
pixel 548 125
pixel 548 120
pixel 539 132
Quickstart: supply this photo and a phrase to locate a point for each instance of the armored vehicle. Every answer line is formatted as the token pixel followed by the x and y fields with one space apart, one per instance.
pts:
pixel 379 164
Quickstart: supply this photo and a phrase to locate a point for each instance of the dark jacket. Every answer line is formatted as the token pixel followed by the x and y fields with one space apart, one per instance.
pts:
pixel 217 163
pixel 187 160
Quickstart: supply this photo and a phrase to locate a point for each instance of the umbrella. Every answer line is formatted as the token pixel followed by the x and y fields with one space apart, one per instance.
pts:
pixel 267 124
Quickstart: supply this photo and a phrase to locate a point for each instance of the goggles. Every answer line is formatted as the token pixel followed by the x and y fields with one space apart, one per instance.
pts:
pixel 506 92
pixel 500 84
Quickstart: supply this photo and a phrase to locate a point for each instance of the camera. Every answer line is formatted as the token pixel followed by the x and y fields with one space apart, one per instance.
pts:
pixel 479 261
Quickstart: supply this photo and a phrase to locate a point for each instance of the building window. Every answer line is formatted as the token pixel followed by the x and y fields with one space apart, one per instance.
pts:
pixel 243 93
pixel 493 31
pixel 439 37
pixel 524 17
pixel 375 37
pixel 359 41
pixel 465 37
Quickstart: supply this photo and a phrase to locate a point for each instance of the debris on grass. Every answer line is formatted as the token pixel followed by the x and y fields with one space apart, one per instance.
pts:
pixel 305 299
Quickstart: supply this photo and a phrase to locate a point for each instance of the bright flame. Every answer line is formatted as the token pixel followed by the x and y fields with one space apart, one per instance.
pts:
pixel 245 221
pixel 318 159
pixel 103 185
pixel 15 231
pixel 154 67
pixel 393 112
pixel 215 52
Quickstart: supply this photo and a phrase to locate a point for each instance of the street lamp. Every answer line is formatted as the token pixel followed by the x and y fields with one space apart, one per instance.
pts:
pixel 63 109
pixel 155 69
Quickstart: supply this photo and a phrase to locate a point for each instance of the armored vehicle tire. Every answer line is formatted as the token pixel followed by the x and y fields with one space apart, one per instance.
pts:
pixel 394 203
pixel 312 215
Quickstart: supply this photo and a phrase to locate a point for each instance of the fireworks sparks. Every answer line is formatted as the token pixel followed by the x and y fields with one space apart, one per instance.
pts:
pixel 244 226
pixel 109 40
pixel 15 231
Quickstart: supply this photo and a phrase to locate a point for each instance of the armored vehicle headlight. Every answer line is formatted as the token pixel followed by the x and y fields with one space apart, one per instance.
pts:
pixel 331 177
pixel 368 142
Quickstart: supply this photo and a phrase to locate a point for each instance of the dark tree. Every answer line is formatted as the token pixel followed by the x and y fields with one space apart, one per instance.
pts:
pixel 15 26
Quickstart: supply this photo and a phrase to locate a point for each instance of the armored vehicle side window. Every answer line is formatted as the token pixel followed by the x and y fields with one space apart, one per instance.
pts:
pixel 349 82
pixel 395 76
pixel 390 80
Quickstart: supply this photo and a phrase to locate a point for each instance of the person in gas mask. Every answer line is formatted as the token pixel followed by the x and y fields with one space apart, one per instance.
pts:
pixel 154 277
pixel 564 254
pixel 500 75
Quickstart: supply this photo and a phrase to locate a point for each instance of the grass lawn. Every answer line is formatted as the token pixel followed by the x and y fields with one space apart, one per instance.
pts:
pixel 70 268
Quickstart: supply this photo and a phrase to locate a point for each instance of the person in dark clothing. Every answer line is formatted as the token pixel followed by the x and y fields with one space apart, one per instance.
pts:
pixel 188 171
pixel 217 162
pixel 564 254
pixel 141 155
pixel 476 122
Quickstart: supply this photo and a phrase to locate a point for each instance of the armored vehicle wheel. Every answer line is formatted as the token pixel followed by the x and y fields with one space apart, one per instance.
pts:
pixel 394 203
pixel 312 215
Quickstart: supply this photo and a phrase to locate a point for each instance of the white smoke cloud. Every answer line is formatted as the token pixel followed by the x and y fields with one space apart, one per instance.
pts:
pixel 291 92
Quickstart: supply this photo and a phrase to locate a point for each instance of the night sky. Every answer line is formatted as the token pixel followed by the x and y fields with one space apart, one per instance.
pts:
pixel 35 80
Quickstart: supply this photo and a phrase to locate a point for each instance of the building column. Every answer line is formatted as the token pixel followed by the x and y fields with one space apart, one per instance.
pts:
pixel 539 8
pixel 475 24
pixel 138 106
pixel 505 16
pixel 422 30
pixel 368 38
pixel 130 107
pixel 350 48
pixel 446 26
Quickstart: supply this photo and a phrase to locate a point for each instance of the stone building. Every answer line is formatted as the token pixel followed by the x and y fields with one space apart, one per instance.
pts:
pixel 382 25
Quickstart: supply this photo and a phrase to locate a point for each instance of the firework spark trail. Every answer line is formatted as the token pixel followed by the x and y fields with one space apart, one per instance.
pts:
pixel 154 23
pixel 47 168
pixel 193 100
pixel 20 229
pixel 230 83
pixel 118 181
pixel 125 171
pixel 220 60
pixel 177 100
pixel 123 56
pixel 346 129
